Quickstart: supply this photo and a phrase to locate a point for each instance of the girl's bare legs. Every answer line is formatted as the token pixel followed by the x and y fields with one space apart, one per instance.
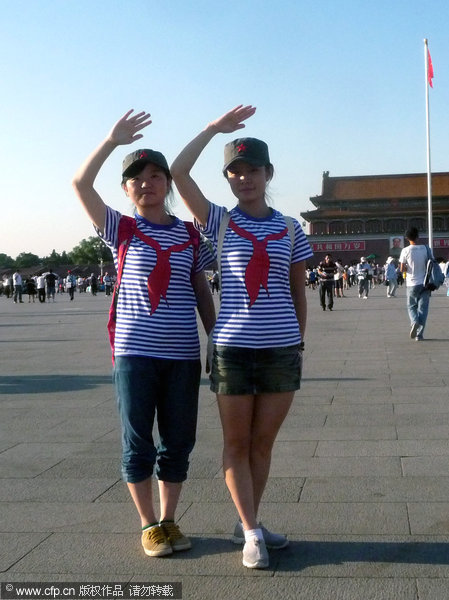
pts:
pixel 169 495
pixel 236 413
pixel 142 494
pixel 250 425
pixel 269 414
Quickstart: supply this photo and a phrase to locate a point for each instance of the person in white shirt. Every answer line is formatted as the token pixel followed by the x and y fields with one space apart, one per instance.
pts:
pixel 17 281
pixel 41 288
pixel 413 261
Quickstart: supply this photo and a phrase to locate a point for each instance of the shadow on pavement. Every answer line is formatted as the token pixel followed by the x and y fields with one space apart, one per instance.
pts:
pixel 301 555
pixel 38 384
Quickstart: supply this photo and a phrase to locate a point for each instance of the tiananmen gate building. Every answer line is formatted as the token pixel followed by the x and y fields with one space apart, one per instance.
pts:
pixel 368 215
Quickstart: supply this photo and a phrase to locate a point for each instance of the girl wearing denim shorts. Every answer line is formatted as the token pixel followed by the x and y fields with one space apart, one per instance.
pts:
pixel 156 345
pixel 259 334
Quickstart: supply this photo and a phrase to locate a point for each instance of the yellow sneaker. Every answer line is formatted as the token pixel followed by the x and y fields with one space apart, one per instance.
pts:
pixel 155 542
pixel 178 541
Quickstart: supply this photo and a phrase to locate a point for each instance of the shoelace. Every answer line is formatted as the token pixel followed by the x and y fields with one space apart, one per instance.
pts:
pixel 157 535
pixel 172 531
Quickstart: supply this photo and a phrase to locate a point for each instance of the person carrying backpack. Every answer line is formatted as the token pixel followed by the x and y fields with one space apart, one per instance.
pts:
pixel 259 336
pixel 413 262
pixel 154 335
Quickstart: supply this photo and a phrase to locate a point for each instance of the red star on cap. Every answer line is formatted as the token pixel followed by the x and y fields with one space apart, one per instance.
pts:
pixel 241 148
pixel 143 155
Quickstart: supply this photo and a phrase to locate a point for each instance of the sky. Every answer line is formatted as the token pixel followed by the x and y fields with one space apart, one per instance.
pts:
pixel 339 86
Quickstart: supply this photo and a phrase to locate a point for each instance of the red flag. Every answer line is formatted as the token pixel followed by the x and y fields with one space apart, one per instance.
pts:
pixel 429 69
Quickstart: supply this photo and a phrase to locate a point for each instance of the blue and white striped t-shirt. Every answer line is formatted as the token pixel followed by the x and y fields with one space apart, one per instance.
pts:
pixel 171 330
pixel 263 316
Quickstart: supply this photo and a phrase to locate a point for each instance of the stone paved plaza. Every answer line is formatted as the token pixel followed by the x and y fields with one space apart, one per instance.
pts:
pixel 359 478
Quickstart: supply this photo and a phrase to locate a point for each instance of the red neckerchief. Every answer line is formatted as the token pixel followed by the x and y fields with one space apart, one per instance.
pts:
pixel 257 270
pixel 159 278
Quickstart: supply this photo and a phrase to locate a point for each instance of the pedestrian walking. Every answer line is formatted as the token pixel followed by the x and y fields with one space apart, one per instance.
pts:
pixel 363 277
pixel 391 278
pixel 70 284
pixel 413 262
pixel 326 273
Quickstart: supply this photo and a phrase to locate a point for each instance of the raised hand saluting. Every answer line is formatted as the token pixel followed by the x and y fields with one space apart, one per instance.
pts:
pixel 232 120
pixel 125 131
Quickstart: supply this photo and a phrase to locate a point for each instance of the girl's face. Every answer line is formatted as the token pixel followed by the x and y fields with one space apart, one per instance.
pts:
pixel 247 182
pixel 148 188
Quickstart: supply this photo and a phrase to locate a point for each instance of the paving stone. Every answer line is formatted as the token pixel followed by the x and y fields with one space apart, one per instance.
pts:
pixel 375 489
pixel 416 432
pixel 61 490
pixel 431 518
pixel 284 466
pixel 432 589
pixel 31 459
pixel 301 588
pixel 383 448
pixel 426 465
pixel 14 546
pixel 79 467
pixel 337 433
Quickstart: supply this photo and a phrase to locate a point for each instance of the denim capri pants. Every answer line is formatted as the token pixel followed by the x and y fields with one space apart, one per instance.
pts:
pixel 165 389
pixel 250 371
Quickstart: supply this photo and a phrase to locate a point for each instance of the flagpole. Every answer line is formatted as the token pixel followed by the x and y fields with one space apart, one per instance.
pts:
pixel 429 172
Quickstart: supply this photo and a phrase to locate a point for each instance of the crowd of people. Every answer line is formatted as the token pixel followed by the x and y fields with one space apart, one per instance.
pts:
pixel 45 286
pixel 331 278
pixel 364 275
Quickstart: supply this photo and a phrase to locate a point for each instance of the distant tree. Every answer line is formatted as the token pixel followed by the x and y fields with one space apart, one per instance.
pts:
pixel 90 251
pixel 27 259
pixel 54 259
pixel 6 262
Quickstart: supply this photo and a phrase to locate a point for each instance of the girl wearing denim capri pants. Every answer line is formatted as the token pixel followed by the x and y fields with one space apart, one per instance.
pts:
pixel 156 345
pixel 259 334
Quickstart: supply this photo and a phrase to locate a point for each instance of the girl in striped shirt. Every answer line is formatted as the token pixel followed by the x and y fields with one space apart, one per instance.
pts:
pixel 259 334
pixel 156 345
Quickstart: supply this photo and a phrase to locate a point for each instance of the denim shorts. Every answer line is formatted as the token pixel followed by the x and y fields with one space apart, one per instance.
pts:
pixel 166 390
pixel 243 371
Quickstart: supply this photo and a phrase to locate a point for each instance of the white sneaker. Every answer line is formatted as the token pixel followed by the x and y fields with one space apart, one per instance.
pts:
pixel 255 555
pixel 273 541
pixel 414 330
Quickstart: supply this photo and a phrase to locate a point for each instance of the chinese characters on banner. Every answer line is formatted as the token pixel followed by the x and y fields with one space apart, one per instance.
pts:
pixel 337 246
pixel 441 243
